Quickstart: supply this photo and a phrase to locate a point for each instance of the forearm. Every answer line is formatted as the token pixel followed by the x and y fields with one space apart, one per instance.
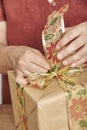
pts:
pixel 10 56
pixel 6 62
pixel 4 66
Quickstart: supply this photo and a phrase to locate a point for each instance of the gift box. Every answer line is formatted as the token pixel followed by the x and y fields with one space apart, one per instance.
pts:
pixel 52 108
pixel 56 99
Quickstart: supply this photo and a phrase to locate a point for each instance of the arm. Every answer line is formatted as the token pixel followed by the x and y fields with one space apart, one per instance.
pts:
pixel 5 50
pixel 3 44
pixel 22 59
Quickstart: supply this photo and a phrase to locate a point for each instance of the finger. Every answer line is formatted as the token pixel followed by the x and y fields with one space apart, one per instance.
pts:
pixel 79 62
pixel 26 72
pixel 43 63
pixel 33 67
pixel 22 71
pixel 39 61
pixel 36 58
pixel 19 71
pixel 73 46
pixel 77 56
pixel 33 60
pixel 20 76
pixel 25 68
pixel 69 36
pixel 21 80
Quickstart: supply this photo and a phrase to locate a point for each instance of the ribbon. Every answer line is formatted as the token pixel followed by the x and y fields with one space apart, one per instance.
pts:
pixel 52 33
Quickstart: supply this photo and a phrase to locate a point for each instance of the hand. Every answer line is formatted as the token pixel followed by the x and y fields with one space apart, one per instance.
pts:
pixel 27 60
pixel 74 40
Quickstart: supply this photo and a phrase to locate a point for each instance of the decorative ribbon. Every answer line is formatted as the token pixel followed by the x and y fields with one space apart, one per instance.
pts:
pixel 52 33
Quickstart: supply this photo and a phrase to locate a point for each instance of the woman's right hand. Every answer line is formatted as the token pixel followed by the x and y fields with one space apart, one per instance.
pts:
pixel 22 59
pixel 26 60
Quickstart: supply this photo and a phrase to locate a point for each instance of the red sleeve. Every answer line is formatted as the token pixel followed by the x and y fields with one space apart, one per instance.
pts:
pixel 2 16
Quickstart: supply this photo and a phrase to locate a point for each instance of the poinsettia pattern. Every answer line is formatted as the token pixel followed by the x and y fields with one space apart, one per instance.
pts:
pixel 78 108
pixel 51 53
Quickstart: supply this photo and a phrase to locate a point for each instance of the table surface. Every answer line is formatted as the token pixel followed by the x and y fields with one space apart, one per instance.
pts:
pixel 6 118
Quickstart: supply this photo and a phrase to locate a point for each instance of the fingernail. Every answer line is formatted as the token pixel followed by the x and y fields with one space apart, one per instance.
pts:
pixel 73 65
pixel 60 56
pixel 65 62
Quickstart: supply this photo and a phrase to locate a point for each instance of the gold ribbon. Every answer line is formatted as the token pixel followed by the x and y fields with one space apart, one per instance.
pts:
pixel 52 33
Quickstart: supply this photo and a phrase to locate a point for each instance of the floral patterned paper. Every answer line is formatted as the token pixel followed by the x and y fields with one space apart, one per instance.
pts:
pixel 21 104
pixel 77 107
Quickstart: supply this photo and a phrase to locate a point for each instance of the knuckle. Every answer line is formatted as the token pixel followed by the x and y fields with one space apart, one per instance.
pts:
pixel 76 57
pixel 37 51
pixel 70 48
pixel 66 38
pixel 75 46
pixel 81 41
pixel 26 53
pixel 63 41
pixel 20 61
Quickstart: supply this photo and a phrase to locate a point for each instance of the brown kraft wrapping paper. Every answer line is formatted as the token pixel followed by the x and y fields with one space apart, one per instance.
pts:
pixel 62 104
pixel 51 108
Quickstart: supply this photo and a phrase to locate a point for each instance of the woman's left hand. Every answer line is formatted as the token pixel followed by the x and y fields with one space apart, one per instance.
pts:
pixel 74 40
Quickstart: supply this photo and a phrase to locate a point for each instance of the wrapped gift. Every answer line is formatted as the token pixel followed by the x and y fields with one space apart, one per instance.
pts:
pixel 52 108
pixel 56 99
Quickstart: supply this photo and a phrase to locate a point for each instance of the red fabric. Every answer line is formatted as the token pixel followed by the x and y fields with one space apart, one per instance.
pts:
pixel 2 17
pixel 26 20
